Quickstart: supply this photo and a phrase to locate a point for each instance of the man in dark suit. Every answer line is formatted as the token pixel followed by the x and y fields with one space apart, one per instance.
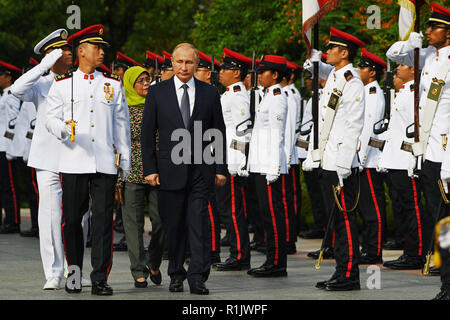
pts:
pixel 185 176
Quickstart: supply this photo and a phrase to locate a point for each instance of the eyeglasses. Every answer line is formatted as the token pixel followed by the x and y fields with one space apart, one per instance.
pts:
pixel 144 80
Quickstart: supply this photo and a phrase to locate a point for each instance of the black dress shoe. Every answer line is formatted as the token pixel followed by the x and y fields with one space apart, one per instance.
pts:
pixel 267 271
pixel 393 245
pixel 71 290
pixel 312 234
pixel 9 228
pixel 165 255
pixel 121 245
pixel 405 262
pixel 215 258
pixel 290 248
pixel 435 271
pixel 33 232
pixel 225 241
pixel 342 284
pixel 140 284
pixel 262 247
pixel 443 295
pixel 327 254
pixel 198 287
pixel 365 258
pixel 323 284
pixel 176 285
pixel 101 288
pixel 232 264
pixel 157 278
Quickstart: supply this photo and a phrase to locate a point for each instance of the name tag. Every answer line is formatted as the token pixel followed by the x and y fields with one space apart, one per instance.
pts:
pixel 9 135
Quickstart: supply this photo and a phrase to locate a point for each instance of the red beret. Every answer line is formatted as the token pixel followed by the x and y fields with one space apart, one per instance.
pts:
pixel 233 59
pixel 92 34
pixel 9 68
pixel 439 14
pixel 205 60
pixel 340 38
pixel 33 62
pixel 376 59
pixel 103 68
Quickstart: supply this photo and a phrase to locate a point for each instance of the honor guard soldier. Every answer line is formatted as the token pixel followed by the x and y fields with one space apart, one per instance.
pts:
pixel 267 160
pixel 434 112
pixel 394 159
pixel 149 63
pixel 8 185
pixel 33 87
pixel 288 181
pixel 372 204
pixel 236 113
pixel 166 66
pixel 122 63
pixel 92 153
pixel 204 69
pixel 337 152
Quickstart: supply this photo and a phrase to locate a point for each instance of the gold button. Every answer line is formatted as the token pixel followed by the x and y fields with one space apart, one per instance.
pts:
pixel 90 82
pixel 92 125
pixel 92 96
pixel 93 140
pixel 92 110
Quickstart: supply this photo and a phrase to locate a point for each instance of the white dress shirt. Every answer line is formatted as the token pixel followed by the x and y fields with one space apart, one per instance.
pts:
pixel 191 91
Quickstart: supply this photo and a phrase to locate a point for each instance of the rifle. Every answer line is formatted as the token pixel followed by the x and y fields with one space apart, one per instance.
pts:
pixel 213 78
pixel 157 75
pixel 253 97
pixel 389 92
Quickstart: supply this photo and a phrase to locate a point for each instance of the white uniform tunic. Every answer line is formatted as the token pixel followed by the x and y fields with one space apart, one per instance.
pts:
pixel 102 122
pixel 8 102
pixel 19 146
pixel 235 109
pixel 402 115
pixel 266 155
pixel 343 141
pixel 431 60
pixel 374 111
pixel 291 125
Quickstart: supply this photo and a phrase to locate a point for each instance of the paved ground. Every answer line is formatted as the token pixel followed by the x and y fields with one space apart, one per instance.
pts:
pixel 20 259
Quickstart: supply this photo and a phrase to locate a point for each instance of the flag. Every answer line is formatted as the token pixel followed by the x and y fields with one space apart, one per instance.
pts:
pixel 312 12
pixel 407 17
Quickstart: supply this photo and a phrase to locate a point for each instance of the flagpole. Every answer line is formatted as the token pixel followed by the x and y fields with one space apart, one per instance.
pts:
pixel 416 76
pixel 315 87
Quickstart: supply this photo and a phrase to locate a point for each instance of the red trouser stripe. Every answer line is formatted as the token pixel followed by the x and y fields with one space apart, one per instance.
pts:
pixel 377 209
pixel 13 190
pixel 285 207
pixel 349 236
pixel 213 228
pixel 419 225
pixel 274 224
pixel 233 216
pixel 294 185
pixel 244 202
pixel 63 224
pixel 33 180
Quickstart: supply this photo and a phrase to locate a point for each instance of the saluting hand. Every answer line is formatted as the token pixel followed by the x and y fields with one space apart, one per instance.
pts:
pixel 153 179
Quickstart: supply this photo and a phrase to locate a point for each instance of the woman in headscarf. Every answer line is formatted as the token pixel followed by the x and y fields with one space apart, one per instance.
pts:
pixel 132 193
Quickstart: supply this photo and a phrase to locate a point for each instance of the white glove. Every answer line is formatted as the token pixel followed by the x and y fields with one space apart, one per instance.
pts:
pixel 381 170
pixel 233 173
pixel 412 166
pixel 306 168
pixel 361 168
pixel 342 173
pixel 25 158
pixel 308 65
pixel 414 41
pixel 242 171
pixel 9 157
pixel 444 238
pixel 316 55
pixel 271 178
pixel 124 174
pixel 50 59
pixel 445 177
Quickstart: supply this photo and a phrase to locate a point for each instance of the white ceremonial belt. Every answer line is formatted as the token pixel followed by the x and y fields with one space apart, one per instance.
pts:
pixel 434 94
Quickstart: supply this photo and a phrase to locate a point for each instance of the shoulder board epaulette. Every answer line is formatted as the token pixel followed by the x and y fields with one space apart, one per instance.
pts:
pixel 9 91
pixel 67 75
pixel 111 76
pixel 348 75
pixel 276 91
pixel 293 91
pixel 411 87
pixel 373 90
pixel 236 88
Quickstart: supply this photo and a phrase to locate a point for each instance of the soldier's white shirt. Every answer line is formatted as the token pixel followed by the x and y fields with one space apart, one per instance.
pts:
pixel 236 110
pixel 291 125
pixel 343 141
pixel 430 62
pixel 308 117
pixel 374 111
pixel 20 144
pixel 402 115
pixel 33 86
pixel 102 122
pixel 7 101
pixel 266 155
